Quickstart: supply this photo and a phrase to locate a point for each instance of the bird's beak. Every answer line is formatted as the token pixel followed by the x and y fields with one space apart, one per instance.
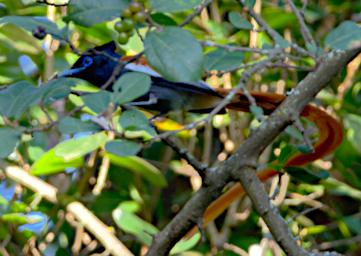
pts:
pixel 70 72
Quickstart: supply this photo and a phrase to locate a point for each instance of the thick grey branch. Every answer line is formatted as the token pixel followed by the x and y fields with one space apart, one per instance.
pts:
pixel 240 165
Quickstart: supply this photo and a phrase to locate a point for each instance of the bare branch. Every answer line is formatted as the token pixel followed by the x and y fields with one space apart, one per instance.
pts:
pixel 304 30
pixel 241 165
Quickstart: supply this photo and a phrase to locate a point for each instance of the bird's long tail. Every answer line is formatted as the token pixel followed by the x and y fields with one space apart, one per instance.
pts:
pixel 330 137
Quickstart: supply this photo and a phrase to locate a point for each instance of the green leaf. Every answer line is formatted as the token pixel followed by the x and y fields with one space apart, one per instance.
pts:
pixel 50 163
pixel 75 148
pixel 175 53
pixel 304 149
pixel 14 218
pixel 347 35
pixel 131 223
pixel 134 120
pixel 139 165
pixel 185 244
pixel 130 86
pixel 123 147
pixel 70 125
pixel 286 153
pixel 294 132
pixel 98 102
pixel 90 12
pixel 163 19
pixel 250 3
pixel 340 188
pixel 144 231
pixel 31 23
pixel 173 5
pixel 9 138
pixel 221 59
pixel 57 89
pixel 353 125
pixel 16 98
pixel 306 176
pixel 238 21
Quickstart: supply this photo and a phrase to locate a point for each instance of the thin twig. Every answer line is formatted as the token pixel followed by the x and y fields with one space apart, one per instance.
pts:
pixel 271 32
pixel 232 93
pixel 52 124
pixel 233 48
pixel 304 29
pixel 198 10
pixel 183 153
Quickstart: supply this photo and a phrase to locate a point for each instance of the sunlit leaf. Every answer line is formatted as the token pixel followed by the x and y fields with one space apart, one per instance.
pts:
pixel 75 148
pixel 139 165
pixel 185 244
pixel 131 223
pixel 50 163
pixel 134 120
pixel 340 188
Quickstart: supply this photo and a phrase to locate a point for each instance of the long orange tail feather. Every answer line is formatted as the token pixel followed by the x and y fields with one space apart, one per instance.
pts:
pixel 330 137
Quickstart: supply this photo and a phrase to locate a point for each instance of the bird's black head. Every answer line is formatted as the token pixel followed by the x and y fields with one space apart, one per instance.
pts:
pixel 96 65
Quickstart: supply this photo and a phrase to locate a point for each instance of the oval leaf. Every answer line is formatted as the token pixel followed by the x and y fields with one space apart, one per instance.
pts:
pixel 221 59
pixel 32 23
pixel 134 120
pixel 91 12
pixel 131 223
pixel 16 98
pixel 173 5
pixel 75 148
pixel 238 21
pixel 130 86
pixel 123 147
pixel 347 35
pixel 50 163
pixel 98 102
pixel 70 125
pixel 175 53
pixel 9 137
pixel 139 165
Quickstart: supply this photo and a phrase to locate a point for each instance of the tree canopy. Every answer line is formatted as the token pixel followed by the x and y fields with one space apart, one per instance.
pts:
pixel 83 172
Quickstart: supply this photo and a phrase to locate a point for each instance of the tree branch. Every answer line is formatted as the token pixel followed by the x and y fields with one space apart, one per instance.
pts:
pixel 241 165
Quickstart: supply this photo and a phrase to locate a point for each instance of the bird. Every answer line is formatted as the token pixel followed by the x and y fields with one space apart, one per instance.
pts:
pixel 97 65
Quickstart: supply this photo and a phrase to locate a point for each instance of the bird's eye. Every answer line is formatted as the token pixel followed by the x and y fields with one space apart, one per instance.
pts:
pixel 87 61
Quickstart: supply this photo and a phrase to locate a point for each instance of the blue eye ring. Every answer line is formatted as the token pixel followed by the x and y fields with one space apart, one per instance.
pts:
pixel 87 61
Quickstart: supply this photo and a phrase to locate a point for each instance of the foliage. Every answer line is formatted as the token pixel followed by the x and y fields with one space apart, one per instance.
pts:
pixel 67 138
